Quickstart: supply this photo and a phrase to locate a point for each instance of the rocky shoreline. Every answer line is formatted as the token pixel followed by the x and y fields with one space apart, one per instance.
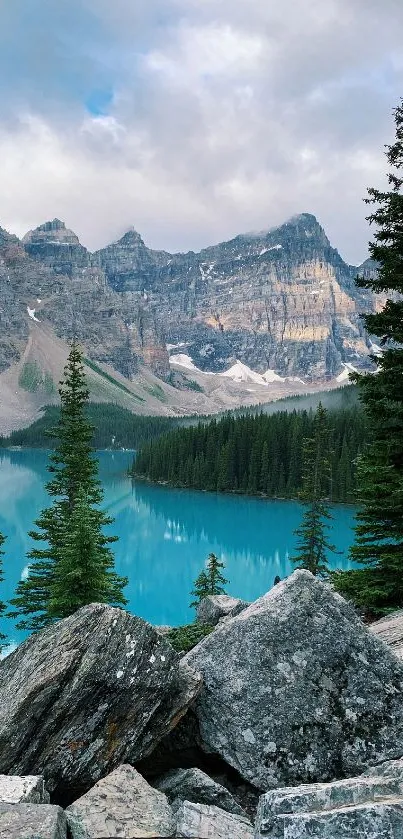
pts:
pixel 286 722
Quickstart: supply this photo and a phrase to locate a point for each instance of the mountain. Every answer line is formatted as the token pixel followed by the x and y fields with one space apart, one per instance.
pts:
pixel 280 299
pixel 263 315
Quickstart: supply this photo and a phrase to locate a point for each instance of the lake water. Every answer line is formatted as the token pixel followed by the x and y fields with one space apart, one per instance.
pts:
pixel 165 535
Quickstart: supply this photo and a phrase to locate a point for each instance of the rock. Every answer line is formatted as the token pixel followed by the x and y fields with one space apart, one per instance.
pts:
pixel 121 805
pixel 349 809
pixel 297 690
pixel 181 785
pixel 390 630
pixel 164 629
pixel 32 821
pixel 202 821
pixel 15 789
pixel 217 606
pixel 86 694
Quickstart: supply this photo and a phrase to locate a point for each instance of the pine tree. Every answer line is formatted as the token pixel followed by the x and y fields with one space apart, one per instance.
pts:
pixel 378 585
pixel 210 581
pixel 85 572
pixel 313 545
pixel 74 471
pixel 3 607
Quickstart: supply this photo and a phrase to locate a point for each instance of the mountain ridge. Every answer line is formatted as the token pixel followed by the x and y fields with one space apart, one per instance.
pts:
pixel 280 300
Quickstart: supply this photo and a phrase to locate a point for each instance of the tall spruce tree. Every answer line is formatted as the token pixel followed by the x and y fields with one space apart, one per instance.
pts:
pixel 378 584
pixel 209 581
pixel 313 545
pixel 3 607
pixel 74 479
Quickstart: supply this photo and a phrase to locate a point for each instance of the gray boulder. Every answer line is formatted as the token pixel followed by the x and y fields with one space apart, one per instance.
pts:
pixel 15 789
pixel 390 630
pixel 297 690
pixel 370 807
pixel 181 785
pixel 217 606
pixel 202 821
pixel 121 806
pixel 95 690
pixel 32 821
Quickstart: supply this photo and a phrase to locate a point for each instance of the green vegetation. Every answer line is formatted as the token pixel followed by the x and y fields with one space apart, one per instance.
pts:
pixel 378 585
pixel 2 605
pixel 114 427
pixel 76 565
pixel 156 391
pixel 209 581
pixel 258 454
pixel 97 369
pixel 48 384
pixel 316 477
pixel 30 378
pixel 184 638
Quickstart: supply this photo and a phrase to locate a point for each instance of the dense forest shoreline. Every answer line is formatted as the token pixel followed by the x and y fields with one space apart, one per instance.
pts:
pixel 258 496
pixel 257 456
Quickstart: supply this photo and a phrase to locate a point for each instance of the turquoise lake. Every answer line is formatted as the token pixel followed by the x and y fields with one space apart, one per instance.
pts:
pixel 165 535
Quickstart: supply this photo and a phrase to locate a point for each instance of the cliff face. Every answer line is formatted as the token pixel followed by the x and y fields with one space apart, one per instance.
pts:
pixel 280 299
pixel 51 278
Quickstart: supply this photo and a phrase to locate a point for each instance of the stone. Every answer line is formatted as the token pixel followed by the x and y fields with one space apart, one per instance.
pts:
pixel 301 808
pixel 121 806
pixel 202 821
pixel 86 694
pixel 193 785
pixel 217 606
pixel 297 690
pixel 32 821
pixel 15 789
pixel 378 820
pixel 163 629
pixel 390 630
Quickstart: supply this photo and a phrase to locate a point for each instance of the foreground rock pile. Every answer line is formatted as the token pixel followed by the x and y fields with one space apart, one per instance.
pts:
pixel 290 700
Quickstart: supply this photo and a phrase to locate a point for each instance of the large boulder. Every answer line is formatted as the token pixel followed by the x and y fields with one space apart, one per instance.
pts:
pixel 201 821
pixel 32 821
pixel 214 607
pixel 181 785
pixel 17 790
pixel 390 630
pixel 121 805
pixel 95 690
pixel 354 808
pixel 297 690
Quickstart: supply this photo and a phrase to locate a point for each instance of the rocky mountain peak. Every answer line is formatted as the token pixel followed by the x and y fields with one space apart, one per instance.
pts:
pixel 56 224
pixel 57 246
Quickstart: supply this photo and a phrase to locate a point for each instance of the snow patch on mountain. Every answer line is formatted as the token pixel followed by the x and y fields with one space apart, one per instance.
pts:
pixel 242 373
pixel 270 376
pixel 31 314
pixel 344 375
pixel 183 360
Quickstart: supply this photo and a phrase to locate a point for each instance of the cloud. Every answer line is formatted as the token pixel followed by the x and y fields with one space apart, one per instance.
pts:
pixel 196 121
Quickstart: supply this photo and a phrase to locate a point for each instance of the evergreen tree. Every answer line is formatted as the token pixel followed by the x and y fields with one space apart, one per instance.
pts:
pixel 378 548
pixel 3 607
pixel 210 581
pixel 85 571
pixel 74 474
pixel 313 545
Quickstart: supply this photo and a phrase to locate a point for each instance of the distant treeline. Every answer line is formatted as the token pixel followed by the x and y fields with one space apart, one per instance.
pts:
pixel 115 427
pixel 254 454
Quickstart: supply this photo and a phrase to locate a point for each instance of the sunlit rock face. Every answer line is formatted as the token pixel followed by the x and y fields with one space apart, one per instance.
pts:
pixel 282 299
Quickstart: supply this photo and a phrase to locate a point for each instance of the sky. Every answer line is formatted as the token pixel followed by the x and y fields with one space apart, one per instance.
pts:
pixel 195 120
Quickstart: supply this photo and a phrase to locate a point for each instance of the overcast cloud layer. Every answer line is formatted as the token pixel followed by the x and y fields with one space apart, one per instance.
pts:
pixel 195 120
